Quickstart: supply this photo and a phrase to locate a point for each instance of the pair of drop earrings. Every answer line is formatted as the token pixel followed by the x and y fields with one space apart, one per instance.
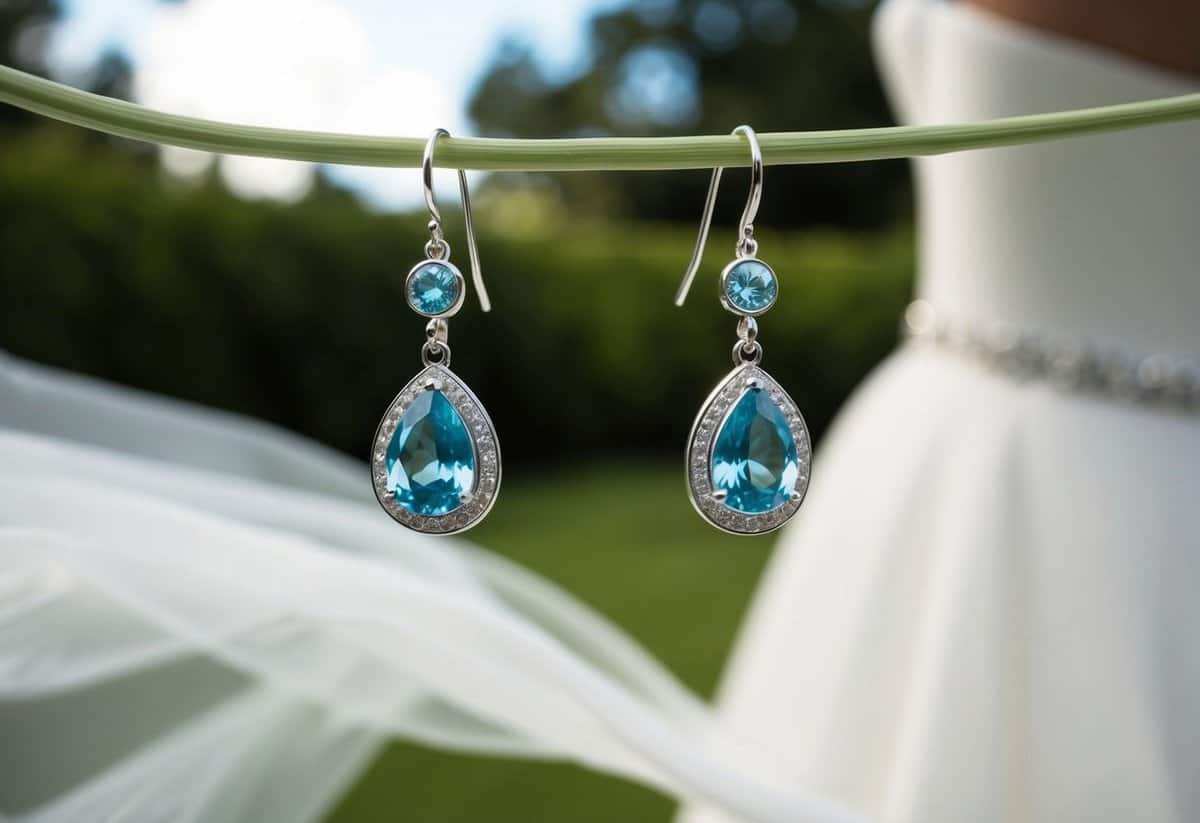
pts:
pixel 435 462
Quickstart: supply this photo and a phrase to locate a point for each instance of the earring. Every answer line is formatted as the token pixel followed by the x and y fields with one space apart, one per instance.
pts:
pixel 749 452
pixel 435 463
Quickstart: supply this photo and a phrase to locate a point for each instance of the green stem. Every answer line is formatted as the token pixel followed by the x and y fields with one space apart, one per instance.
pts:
pixel 124 119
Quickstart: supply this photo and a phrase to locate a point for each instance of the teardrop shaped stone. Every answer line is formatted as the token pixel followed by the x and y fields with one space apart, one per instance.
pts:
pixel 754 457
pixel 431 458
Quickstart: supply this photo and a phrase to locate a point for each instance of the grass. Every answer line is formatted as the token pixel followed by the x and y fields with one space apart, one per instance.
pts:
pixel 623 538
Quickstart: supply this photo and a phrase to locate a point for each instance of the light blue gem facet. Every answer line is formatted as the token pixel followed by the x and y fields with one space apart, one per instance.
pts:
pixel 431 459
pixel 433 288
pixel 750 286
pixel 754 459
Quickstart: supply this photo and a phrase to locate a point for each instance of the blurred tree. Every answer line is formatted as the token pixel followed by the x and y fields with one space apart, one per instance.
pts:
pixel 24 28
pixel 294 314
pixel 112 76
pixel 283 312
pixel 661 67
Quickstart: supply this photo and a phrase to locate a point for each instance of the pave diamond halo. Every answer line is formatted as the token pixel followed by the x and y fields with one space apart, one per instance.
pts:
pixel 748 454
pixel 435 459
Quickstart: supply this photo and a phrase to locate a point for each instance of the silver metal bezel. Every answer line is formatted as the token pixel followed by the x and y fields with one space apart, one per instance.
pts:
pixel 458 278
pixel 728 270
pixel 483 440
pixel 708 423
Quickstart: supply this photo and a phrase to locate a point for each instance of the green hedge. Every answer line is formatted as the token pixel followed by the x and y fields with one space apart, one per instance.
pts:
pixel 294 313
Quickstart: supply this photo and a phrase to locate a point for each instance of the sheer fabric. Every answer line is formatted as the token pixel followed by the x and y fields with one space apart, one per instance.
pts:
pixel 203 618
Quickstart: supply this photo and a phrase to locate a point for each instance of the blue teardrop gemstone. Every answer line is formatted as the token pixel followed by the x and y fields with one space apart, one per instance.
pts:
pixel 754 457
pixel 431 459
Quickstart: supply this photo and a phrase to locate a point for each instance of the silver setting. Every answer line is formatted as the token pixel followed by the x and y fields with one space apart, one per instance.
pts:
pixel 479 500
pixel 709 501
pixel 747 349
pixel 436 376
pixel 436 349
pixel 747 246
pixel 1158 380
pixel 459 280
pixel 747 354
pixel 728 270
pixel 437 248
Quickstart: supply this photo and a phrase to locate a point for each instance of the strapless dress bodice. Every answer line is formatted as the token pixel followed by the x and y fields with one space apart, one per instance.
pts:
pixel 1095 237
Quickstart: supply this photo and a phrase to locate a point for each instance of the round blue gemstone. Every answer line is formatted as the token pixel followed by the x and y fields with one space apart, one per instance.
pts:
pixel 433 288
pixel 751 286
pixel 754 459
pixel 431 459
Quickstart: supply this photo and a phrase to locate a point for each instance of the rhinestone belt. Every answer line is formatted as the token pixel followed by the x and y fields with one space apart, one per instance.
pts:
pixel 1071 363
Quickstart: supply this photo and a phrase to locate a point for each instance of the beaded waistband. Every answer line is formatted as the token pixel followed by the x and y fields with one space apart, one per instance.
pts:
pixel 1071 363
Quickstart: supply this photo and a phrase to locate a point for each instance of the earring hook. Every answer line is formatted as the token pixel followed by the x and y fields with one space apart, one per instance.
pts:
pixel 435 217
pixel 746 246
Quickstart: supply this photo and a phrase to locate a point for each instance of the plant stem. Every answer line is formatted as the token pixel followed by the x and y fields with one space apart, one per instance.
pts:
pixel 123 119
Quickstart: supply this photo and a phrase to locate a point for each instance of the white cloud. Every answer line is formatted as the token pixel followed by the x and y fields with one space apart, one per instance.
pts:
pixel 254 177
pixel 365 66
pixel 285 63
pixel 186 163
pixel 397 102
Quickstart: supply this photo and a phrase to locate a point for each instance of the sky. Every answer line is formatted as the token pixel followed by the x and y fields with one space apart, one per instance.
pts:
pixel 367 66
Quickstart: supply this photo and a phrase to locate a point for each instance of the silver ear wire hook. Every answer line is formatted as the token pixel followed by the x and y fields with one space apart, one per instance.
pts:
pixel 746 246
pixel 437 244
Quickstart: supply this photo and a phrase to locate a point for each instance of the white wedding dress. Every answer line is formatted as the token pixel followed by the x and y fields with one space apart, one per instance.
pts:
pixel 987 609
pixel 985 612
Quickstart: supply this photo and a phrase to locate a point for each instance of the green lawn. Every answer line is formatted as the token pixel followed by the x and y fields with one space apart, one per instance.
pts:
pixel 623 538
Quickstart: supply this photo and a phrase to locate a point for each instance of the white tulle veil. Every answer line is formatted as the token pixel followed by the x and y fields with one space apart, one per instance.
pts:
pixel 204 618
